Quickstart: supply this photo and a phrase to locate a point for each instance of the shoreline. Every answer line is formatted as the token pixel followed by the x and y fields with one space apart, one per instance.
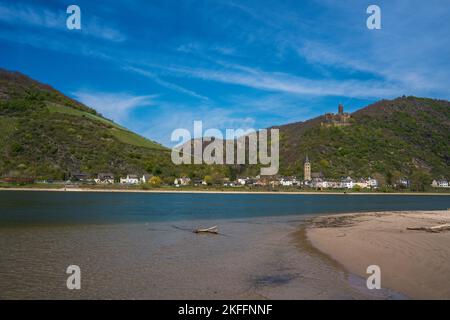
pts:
pixel 413 263
pixel 271 258
pixel 225 192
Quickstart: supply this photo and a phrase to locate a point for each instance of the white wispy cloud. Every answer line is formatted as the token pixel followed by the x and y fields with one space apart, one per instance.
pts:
pixel 319 53
pixel 164 83
pixel 31 16
pixel 411 51
pixel 98 28
pixel 114 106
pixel 408 56
pixel 288 83
pixel 198 48
pixel 295 61
pixel 42 17
pixel 288 107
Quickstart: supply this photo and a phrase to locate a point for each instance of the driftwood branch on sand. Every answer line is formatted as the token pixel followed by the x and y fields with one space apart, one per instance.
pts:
pixel 213 230
pixel 439 228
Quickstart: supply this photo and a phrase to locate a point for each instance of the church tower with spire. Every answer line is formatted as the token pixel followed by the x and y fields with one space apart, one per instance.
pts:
pixel 307 170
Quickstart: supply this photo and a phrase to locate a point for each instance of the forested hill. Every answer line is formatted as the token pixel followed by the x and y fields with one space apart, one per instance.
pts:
pixel 390 138
pixel 45 134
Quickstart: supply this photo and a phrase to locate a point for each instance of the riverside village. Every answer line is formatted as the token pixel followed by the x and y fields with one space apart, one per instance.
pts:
pixel 306 180
pixel 309 180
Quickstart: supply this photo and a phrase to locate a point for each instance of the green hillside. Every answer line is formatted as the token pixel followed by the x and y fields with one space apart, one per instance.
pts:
pixel 47 135
pixel 392 138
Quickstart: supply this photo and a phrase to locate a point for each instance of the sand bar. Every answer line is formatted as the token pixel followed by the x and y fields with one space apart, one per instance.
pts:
pixel 415 263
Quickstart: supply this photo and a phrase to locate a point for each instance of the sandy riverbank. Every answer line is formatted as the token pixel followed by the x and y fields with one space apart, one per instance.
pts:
pixel 223 191
pixel 415 263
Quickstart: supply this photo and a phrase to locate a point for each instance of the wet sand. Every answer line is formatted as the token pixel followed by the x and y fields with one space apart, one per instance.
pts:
pixel 415 263
pixel 258 258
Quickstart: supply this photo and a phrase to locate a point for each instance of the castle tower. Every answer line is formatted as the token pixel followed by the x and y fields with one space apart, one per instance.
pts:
pixel 307 170
pixel 340 109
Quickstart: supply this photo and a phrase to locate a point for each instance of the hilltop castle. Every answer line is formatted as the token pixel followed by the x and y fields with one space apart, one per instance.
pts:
pixel 337 120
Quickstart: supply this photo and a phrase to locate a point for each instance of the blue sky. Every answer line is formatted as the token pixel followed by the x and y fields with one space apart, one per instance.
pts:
pixel 154 66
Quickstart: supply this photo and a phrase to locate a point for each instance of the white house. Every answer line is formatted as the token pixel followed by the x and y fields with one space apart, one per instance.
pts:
pixel 319 183
pixel 347 183
pixel 289 182
pixel 443 184
pixel 104 178
pixel 286 183
pixel 372 183
pixel 403 182
pixel 242 181
pixel 184 181
pixel 440 184
pixel 333 184
pixel 130 179
pixel 146 178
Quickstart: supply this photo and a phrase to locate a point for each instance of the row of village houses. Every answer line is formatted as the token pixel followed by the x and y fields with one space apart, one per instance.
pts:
pixel 106 178
pixel 323 183
pixel 317 182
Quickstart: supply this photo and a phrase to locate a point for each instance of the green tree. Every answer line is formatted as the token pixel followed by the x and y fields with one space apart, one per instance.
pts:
pixel 380 178
pixel 420 180
pixel 389 178
pixel 395 177
pixel 149 167
pixel 324 163
pixel 156 170
pixel 208 180
pixel 169 180
pixel 155 181
pixel 232 173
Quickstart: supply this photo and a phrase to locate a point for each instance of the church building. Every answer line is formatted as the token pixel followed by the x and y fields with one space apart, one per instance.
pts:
pixel 307 170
